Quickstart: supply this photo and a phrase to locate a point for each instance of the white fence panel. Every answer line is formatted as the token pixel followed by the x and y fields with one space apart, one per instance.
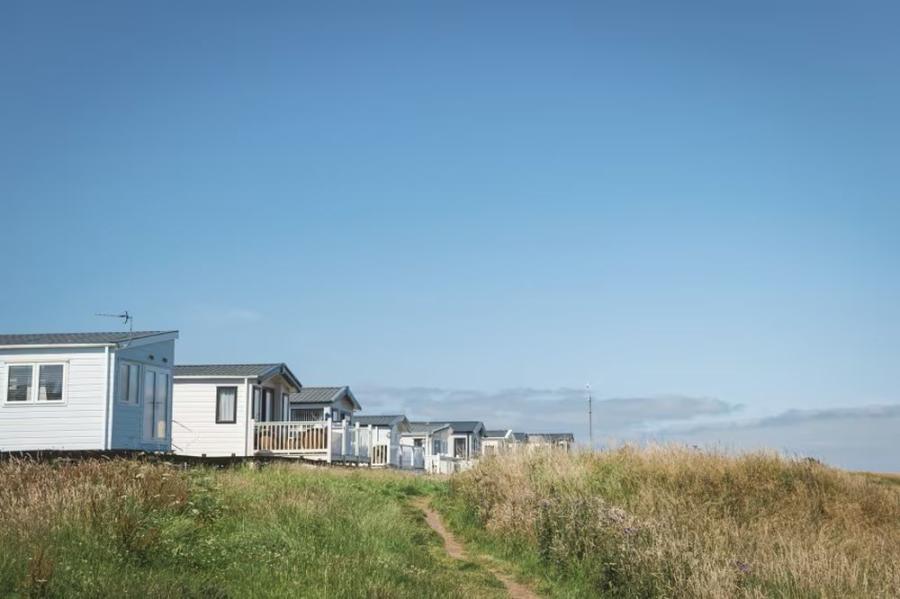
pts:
pixel 290 437
pixel 380 455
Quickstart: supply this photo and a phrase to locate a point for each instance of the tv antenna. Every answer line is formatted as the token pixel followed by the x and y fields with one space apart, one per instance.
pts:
pixel 127 319
pixel 590 401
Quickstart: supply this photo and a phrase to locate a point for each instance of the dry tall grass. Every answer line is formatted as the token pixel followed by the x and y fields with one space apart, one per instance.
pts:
pixel 41 504
pixel 675 522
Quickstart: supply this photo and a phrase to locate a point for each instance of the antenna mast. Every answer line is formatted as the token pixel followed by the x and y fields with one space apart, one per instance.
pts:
pixel 125 316
pixel 590 415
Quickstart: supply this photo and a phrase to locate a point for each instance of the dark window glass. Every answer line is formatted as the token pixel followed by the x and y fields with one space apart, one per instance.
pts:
pixel 50 382
pixel 19 385
pixel 226 405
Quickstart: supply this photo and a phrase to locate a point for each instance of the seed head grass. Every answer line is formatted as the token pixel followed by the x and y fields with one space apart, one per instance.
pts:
pixel 676 522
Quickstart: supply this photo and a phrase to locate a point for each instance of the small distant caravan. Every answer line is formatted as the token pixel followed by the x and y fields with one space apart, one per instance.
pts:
pixel 443 447
pixel 86 391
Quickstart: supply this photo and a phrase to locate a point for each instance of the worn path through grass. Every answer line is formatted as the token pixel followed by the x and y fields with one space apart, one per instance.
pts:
pixel 455 550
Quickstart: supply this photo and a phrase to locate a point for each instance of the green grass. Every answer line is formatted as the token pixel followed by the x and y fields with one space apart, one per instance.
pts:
pixel 124 528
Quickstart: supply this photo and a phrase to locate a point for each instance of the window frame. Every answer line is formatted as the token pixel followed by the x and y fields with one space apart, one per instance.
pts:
pixel 234 408
pixel 292 409
pixel 123 399
pixel 33 399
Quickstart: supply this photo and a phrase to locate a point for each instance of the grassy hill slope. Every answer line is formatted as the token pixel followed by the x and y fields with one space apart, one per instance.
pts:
pixel 668 522
pixel 125 528
pixel 629 523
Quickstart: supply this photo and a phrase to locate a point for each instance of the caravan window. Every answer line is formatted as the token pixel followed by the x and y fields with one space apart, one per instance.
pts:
pixel 306 414
pixel 19 386
pixel 226 405
pixel 50 382
pixel 50 388
pixel 129 378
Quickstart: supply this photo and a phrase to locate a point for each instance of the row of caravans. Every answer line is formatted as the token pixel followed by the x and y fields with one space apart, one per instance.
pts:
pixel 123 391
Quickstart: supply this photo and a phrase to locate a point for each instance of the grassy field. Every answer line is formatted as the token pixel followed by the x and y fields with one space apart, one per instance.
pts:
pixel 124 528
pixel 651 523
pixel 669 522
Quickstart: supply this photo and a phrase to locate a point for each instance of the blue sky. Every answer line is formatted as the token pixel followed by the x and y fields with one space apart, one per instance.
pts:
pixel 471 210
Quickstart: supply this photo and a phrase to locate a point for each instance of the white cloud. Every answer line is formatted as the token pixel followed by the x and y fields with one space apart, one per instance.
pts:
pixel 551 410
pixel 863 438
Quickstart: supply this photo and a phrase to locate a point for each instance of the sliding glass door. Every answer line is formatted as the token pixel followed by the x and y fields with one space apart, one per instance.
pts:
pixel 157 391
pixel 263 404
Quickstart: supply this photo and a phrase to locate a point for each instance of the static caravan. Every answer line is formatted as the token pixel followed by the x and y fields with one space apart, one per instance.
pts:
pixel 311 404
pixel 449 446
pixel 226 410
pixel 563 441
pixel 219 408
pixel 465 439
pixel 86 391
pixel 384 434
pixel 428 439
pixel 496 442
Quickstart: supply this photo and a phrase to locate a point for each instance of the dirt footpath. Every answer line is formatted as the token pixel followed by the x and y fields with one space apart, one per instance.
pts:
pixel 455 550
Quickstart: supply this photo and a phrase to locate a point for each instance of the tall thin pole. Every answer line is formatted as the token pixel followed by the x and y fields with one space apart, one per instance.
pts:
pixel 590 416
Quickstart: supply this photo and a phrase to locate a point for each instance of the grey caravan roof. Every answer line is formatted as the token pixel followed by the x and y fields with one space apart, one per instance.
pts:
pixel 103 338
pixel 465 426
pixel 426 427
pixel 380 420
pixel 213 370
pixel 552 437
pixel 258 371
pixel 323 395
pixel 458 426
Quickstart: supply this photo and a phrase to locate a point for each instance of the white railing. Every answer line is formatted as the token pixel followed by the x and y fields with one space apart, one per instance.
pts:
pixel 412 457
pixel 380 456
pixel 291 437
pixel 445 464
pixel 319 439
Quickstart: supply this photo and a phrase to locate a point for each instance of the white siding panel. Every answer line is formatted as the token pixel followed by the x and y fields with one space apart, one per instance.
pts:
pixel 78 424
pixel 194 428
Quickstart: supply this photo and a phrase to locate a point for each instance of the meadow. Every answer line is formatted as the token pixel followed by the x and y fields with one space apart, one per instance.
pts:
pixel 659 522
pixel 677 522
pixel 128 528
